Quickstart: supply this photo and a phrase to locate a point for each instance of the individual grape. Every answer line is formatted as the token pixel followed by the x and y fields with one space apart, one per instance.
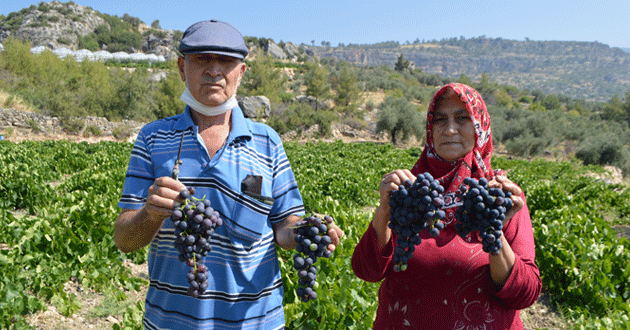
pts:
pixel 184 194
pixel 482 211
pixel 311 236
pixel 194 221
pixel 415 206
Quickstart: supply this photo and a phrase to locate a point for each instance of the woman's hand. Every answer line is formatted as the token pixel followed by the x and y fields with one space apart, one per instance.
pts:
pixel 506 184
pixel 390 182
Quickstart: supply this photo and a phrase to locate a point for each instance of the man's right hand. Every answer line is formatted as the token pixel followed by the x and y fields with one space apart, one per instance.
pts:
pixel 163 194
pixel 135 229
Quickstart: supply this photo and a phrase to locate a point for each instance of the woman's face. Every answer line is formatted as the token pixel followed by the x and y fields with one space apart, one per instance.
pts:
pixel 453 130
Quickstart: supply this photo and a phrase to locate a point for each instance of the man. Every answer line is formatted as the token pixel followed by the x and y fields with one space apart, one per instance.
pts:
pixel 220 150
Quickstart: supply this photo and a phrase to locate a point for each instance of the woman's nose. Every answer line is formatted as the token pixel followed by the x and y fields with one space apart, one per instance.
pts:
pixel 451 127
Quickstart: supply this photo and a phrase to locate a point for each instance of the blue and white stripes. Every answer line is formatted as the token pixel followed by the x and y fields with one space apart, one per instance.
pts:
pixel 245 290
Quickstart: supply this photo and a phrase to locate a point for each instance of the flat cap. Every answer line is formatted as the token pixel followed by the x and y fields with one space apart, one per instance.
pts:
pixel 213 37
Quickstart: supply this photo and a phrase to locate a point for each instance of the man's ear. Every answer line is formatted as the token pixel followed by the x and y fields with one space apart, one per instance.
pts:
pixel 181 63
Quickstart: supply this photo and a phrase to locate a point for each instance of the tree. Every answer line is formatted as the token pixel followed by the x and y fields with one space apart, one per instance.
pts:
pixel 262 78
pixel 397 115
pixel 465 80
pixel 168 93
pixel 316 80
pixel 551 102
pixel 156 24
pixel 401 64
pixel 626 105
pixel 347 89
pixel 613 110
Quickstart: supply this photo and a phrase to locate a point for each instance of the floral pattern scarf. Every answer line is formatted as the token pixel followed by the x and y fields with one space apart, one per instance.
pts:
pixel 475 164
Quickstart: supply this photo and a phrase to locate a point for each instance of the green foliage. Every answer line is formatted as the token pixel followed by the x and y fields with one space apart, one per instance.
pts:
pixel 93 131
pixel 603 149
pixel 169 91
pixel 67 234
pixel 316 80
pixel 69 89
pixel 262 78
pixel 347 90
pixel 401 64
pixel 299 117
pixel 399 116
pixel 119 34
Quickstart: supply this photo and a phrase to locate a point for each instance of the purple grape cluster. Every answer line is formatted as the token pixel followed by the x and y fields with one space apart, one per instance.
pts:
pixel 194 222
pixel 483 210
pixel 414 207
pixel 197 278
pixel 311 235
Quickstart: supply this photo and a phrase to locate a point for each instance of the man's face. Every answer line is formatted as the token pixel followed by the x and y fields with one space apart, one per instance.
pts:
pixel 211 78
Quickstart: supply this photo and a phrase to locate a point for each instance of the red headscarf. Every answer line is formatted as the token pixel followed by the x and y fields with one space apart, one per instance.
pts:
pixel 475 164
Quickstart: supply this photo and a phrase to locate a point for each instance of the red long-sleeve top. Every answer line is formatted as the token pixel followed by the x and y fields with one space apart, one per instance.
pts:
pixel 447 284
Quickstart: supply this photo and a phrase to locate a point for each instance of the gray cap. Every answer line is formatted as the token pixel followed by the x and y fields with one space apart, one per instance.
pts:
pixel 213 37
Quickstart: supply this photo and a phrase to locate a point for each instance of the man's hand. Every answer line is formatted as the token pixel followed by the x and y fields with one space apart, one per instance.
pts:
pixel 163 194
pixel 135 229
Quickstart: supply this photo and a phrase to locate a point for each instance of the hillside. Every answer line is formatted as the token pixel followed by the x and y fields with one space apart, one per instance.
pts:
pixel 587 70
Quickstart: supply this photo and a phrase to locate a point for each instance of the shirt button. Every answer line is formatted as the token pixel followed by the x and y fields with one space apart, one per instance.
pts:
pixel 204 165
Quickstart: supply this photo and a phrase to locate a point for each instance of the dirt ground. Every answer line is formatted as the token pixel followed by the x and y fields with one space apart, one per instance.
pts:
pixel 541 315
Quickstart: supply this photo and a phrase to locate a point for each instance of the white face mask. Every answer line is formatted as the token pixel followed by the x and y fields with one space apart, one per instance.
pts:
pixel 205 110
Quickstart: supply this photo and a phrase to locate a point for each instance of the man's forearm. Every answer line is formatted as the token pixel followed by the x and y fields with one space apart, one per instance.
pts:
pixel 135 229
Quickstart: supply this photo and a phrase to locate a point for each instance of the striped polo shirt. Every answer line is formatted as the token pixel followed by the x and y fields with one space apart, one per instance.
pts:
pixel 245 285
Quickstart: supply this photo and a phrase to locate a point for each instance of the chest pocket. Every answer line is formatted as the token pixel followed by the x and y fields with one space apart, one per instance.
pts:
pixel 249 221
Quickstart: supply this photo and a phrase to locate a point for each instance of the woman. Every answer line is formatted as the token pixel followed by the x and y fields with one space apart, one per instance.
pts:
pixel 450 283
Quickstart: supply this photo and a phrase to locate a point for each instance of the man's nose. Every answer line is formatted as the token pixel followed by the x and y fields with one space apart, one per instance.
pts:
pixel 213 68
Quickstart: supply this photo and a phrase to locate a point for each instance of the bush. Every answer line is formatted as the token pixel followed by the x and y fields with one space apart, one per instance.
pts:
pixel 34 126
pixel 121 132
pixel 92 131
pixel 605 149
pixel 300 116
pixel 399 116
pixel 72 125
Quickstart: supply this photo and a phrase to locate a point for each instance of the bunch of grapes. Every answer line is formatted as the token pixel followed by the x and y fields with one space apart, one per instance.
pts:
pixel 311 235
pixel 415 206
pixel 194 221
pixel 483 211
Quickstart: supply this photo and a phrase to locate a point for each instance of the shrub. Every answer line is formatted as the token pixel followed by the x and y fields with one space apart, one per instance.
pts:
pixel 72 125
pixel 9 102
pixel 121 132
pixel 399 116
pixel 64 40
pixel 93 131
pixel 34 126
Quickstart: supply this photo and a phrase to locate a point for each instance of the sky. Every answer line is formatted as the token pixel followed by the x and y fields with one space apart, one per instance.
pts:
pixel 369 22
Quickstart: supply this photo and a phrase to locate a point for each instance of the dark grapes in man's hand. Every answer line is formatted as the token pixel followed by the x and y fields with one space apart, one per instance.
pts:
pixel 194 221
pixel 311 236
